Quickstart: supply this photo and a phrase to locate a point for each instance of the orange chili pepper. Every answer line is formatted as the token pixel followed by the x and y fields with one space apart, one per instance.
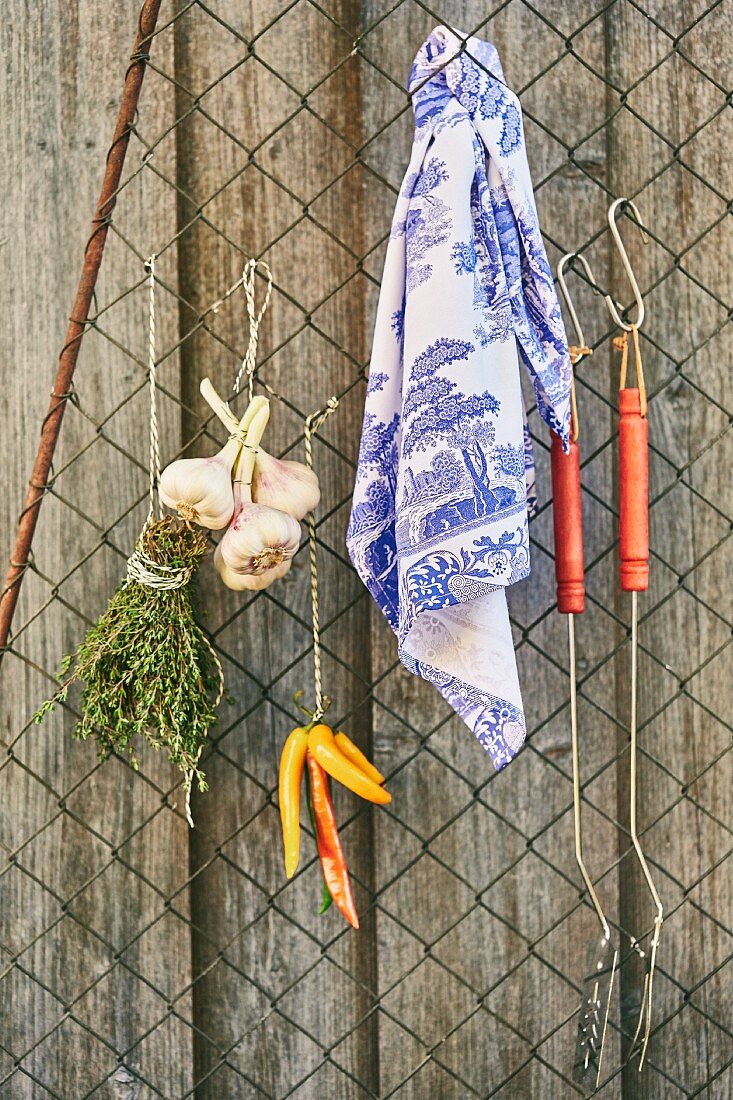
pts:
pixel 322 745
pixel 292 763
pixel 330 852
pixel 353 753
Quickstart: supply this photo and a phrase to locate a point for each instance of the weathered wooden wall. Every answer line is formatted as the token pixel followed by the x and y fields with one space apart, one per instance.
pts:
pixel 91 954
pixel 267 200
pixel 185 957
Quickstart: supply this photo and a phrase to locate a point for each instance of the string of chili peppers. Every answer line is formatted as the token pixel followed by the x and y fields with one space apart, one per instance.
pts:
pixel 315 749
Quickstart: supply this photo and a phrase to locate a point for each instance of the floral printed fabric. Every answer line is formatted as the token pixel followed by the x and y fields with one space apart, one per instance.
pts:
pixel 445 480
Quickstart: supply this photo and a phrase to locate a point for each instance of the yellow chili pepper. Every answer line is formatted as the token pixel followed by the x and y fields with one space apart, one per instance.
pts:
pixel 356 756
pixel 292 763
pixel 322 746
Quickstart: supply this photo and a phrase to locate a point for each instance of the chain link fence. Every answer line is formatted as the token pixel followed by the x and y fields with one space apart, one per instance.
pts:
pixel 138 959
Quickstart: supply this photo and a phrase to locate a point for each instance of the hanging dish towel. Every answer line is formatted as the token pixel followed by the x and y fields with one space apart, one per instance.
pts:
pixel 445 478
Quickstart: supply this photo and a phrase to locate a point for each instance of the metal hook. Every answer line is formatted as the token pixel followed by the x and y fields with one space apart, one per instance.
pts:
pixel 566 259
pixel 582 350
pixel 612 306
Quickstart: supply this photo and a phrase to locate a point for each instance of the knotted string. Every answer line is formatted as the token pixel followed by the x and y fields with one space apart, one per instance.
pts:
pixel 313 424
pixel 621 343
pixel 255 320
pixel 576 354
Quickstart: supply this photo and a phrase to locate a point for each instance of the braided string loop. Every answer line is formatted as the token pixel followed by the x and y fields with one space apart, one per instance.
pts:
pixel 313 424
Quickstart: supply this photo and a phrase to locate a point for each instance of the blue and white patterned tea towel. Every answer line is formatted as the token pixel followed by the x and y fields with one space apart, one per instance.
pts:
pixel 438 525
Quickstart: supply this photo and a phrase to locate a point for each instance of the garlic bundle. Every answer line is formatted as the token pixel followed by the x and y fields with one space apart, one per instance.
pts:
pixel 261 542
pixel 289 486
pixel 260 499
pixel 280 483
pixel 200 489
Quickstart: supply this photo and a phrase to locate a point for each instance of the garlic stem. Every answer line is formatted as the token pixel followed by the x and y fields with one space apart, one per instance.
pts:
pixel 258 406
pixel 230 452
pixel 225 414
pixel 217 405
pixel 221 408
pixel 246 463
pixel 304 492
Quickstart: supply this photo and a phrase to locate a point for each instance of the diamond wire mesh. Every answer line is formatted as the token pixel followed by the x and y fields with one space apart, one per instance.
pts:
pixel 467 978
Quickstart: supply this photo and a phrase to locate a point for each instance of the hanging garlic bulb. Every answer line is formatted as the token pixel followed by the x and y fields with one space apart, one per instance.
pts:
pixel 200 489
pixel 252 582
pixel 259 538
pixel 289 486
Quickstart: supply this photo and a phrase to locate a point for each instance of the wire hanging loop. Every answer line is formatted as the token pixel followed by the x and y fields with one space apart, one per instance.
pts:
pixel 313 424
pixel 247 369
pixel 154 456
pixel 580 350
pixel 621 343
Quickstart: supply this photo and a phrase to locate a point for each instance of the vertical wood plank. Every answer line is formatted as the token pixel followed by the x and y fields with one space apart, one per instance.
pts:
pixel 89 853
pixel 668 139
pixel 281 996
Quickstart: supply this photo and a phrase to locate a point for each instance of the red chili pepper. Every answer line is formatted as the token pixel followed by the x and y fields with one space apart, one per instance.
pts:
pixel 333 863
pixel 326 899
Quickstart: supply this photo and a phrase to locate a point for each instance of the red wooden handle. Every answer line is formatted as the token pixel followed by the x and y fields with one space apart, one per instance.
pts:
pixel 567 518
pixel 633 492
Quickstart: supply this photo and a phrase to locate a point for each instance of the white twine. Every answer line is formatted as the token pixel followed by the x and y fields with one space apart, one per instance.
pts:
pixel 188 781
pixel 141 568
pixel 312 426
pixel 154 463
pixel 152 574
pixel 255 319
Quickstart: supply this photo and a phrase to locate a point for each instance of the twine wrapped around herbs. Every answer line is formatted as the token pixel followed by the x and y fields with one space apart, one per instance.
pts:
pixel 147 667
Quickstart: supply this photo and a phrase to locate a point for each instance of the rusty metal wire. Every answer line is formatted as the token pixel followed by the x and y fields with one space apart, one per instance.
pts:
pixel 538 1044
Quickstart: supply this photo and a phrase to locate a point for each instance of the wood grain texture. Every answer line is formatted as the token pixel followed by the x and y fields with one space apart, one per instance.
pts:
pixel 90 853
pixel 674 130
pixel 282 997
pixel 187 957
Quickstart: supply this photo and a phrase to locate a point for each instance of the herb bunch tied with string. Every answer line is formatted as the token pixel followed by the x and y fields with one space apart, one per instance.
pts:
pixel 147 667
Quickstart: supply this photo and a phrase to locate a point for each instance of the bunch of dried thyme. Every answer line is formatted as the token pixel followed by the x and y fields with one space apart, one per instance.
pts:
pixel 147 667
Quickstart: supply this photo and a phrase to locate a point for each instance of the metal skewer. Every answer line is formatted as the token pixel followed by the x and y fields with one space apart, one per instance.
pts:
pixel 645 1013
pixel 598 985
pixel 569 571
pixel 634 554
